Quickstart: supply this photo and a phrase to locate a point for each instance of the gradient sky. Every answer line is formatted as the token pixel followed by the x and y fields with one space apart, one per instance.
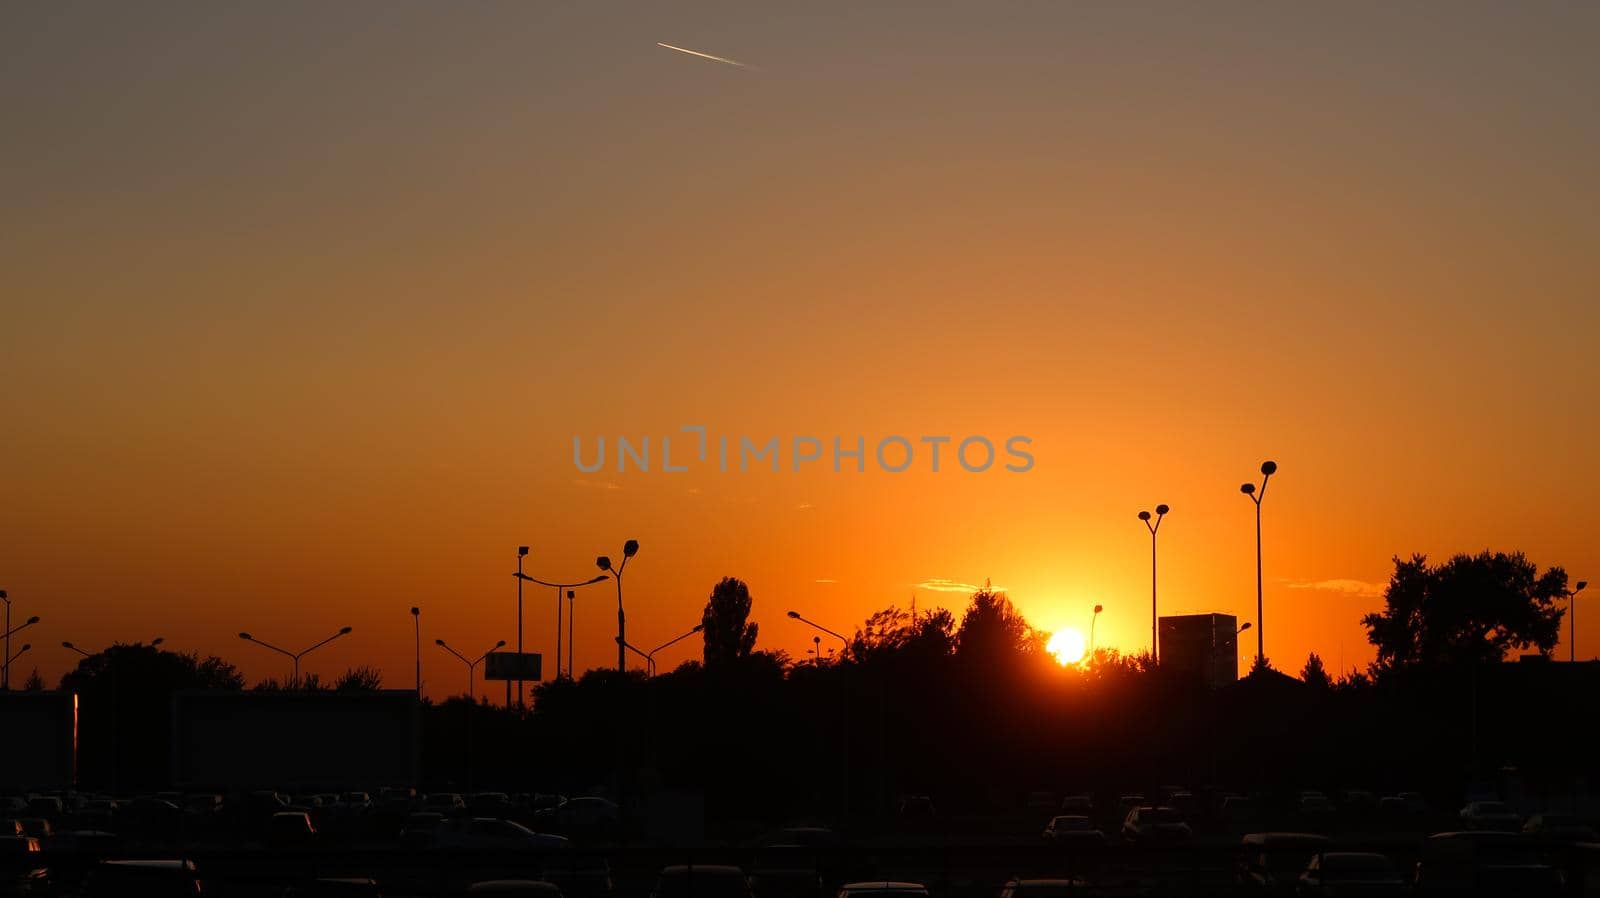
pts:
pixel 304 303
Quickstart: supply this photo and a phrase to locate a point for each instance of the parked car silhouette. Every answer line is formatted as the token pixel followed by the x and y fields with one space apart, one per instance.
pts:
pixel 886 889
pixel 1073 831
pixel 701 881
pixel 1270 863
pixel 527 887
pixel 1560 828
pixel 1484 863
pixel 22 866
pixel 1151 825
pixel 1490 815
pixel 1044 888
pixel 146 879
pixel 1351 874
pixel 785 871
pixel 491 834
pixel 291 829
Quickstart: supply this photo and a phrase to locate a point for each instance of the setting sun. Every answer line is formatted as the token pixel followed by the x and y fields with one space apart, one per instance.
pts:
pixel 1067 645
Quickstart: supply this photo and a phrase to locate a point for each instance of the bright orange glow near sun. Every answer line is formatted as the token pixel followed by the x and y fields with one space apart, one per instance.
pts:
pixel 1067 645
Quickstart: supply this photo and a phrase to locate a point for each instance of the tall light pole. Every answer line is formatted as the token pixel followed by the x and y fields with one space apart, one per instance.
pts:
pixel 1161 512
pixel 1572 613
pixel 416 621
pixel 845 778
pixel 522 552
pixel 650 656
pixel 558 588
pixel 5 669
pixel 1092 618
pixel 5 672
pixel 571 594
pixel 1268 468
pixel 26 646
pixel 629 549
pixel 472 664
pixel 296 656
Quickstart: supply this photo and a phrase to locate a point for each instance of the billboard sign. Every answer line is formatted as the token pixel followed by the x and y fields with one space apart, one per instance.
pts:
pixel 513 666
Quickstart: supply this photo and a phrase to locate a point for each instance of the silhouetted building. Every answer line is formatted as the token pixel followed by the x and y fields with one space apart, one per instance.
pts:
pixel 1203 646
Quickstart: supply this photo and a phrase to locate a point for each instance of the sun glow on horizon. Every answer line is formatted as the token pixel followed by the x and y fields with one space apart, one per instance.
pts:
pixel 1068 646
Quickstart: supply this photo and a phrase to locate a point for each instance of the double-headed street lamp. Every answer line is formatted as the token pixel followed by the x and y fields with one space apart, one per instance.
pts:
pixel 650 656
pixel 296 656
pixel 5 669
pixel 1572 614
pixel 629 549
pixel 558 587
pixel 845 779
pixel 472 664
pixel 1161 512
pixel 1268 468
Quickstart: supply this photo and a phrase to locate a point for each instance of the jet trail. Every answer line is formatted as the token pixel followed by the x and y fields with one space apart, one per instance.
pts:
pixel 733 62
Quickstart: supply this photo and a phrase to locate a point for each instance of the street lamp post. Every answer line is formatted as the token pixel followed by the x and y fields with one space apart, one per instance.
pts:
pixel 472 664
pixel 26 646
pixel 416 621
pixel 629 549
pixel 558 588
pixel 522 552
pixel 296 656
pixel 650 656
pixel 1092 618
pixel 1161 512
pixel 1572 614
pixel 5 669
pixel 1268 468
pixel 571 594
pixel 845 778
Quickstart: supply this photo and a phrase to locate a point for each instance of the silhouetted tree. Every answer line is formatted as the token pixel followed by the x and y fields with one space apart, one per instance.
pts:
pixel 1314 674
pixel 729 636
pixel 1261 665
pixel 359 679
pixel 1471 609
pixel 125 697
pixel 35 682
pixel 992 630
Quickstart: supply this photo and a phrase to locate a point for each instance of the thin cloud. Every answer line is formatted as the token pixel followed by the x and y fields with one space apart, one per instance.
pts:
pixel 824 580
pixel 597 484
pixel 722 59
pixel 804 506
pixel 1342 586
pixel 940 584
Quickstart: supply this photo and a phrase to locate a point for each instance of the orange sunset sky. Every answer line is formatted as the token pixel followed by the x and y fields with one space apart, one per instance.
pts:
pixel 304 303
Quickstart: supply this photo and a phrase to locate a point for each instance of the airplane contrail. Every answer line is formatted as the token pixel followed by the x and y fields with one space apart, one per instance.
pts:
pixel 722 59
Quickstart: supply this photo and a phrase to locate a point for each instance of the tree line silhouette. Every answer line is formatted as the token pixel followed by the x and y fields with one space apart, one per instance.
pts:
pixel 973 710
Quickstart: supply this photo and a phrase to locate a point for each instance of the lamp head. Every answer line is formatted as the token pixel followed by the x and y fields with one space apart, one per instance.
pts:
pixel 570 594
pixel 1144 515
pixel 630 548
pixel 1099 608
pixel 244 635
pixel 33 620
pixel 25 647
pixel 1269 468
pixel 2 594
pixel 415 611
pixel 1162 509
pixel 1249 489
pixel 521 551
pixel 1245 627
pixel 344 630
pixel 67 645
pixel 157 641
pixel 795 615
pixel 1581 585
pixel 597 579
pixel 439 643
pixel 603 562
pixel 500 644
pixel 698 628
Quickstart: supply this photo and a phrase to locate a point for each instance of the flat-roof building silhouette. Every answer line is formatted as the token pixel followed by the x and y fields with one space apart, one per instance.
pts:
pixel 1203 646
